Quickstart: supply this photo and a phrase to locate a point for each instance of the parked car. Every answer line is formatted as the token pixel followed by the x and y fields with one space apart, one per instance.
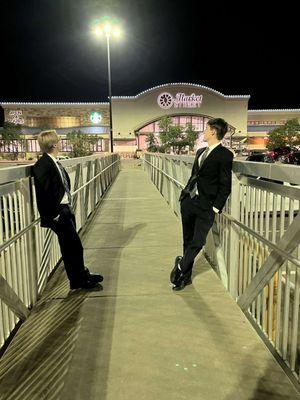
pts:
pixel 62 157
pixel 260 157
pixel 292 158
pixel 280 152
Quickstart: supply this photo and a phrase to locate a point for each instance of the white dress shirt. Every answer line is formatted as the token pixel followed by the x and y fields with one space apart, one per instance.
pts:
pixel 211 148
pixel 65 199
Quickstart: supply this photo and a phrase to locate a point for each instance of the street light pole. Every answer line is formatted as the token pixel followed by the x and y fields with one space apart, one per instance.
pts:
pixel 109 96
pixel 109 28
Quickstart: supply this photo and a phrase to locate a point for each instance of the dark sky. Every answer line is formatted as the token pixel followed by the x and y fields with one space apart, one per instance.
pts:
pixel 49 54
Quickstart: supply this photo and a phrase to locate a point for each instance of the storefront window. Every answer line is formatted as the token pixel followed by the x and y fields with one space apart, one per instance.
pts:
pixel 52 122
pixel 33 146
pixel 184 121
pixel 65 145
pixel 148 128
pixel 176 120
pixel 198 123
pixel 13 146
pixel 97 147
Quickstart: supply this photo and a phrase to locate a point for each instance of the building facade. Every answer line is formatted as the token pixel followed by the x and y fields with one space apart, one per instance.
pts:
pixel 134 117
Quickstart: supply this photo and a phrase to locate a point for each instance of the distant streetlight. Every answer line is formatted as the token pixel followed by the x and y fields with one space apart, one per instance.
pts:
pixel 108 27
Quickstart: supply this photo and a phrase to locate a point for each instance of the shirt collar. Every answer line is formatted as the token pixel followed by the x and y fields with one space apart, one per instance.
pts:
pixel 213 146
pixel 53 158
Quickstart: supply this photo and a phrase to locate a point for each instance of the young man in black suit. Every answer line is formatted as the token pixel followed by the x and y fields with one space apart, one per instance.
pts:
pixel 204 195
pixel 54 202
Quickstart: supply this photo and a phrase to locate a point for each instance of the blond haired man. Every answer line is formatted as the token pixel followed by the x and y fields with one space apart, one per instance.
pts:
pixel 54 201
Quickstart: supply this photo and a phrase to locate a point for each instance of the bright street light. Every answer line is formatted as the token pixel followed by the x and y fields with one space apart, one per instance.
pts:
pixel 108 27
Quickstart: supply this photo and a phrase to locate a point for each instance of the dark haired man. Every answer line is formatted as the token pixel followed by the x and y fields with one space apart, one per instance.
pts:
pixel 204 195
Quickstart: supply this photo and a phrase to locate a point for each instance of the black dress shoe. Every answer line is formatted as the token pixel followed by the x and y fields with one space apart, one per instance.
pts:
pixel 175 273
pixel 182 282
pixel 93 277
pixel 86 284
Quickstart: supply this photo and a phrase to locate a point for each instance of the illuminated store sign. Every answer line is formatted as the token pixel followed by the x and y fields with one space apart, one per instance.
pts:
pixel 16 117
pixel 96 118
pixel 165 100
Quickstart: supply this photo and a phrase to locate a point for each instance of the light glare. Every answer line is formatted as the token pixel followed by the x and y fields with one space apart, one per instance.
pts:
pixel 117 32
pixel 98 31
pixel 107 28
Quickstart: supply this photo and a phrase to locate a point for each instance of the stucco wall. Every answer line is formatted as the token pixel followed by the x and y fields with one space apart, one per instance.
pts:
pixel 130 114
pixel 82 112
pixel 278 116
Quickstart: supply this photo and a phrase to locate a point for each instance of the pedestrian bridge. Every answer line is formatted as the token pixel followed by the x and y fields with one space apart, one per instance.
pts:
pixel 232 334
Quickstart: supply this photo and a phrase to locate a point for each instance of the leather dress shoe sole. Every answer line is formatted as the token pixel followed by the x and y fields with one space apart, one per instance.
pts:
pixel 89 284
pixel 181 285
pixel 92 277
pixel 95 277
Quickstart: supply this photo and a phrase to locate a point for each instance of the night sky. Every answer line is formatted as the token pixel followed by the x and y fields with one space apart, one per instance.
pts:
pixel 49 54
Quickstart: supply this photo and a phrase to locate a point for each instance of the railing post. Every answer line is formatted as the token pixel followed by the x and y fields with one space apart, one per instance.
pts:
pixel 81 198
pixel 87 190
pixel 234 238
pixel 33 267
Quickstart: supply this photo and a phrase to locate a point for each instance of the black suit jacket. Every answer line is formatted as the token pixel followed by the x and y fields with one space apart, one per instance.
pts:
pixel 213 179
pixel 49 188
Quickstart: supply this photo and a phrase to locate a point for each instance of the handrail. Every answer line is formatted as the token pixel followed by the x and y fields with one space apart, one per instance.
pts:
pixel 273 246
pixel 28 253
pixel 36 221
pixel 255 248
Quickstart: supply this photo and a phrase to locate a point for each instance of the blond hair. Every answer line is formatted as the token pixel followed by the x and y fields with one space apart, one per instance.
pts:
pixel 47 139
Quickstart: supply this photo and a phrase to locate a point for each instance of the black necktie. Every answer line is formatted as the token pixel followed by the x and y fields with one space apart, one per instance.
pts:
pixel 65 181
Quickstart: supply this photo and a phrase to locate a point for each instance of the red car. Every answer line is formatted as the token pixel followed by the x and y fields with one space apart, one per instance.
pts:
pixel 279 152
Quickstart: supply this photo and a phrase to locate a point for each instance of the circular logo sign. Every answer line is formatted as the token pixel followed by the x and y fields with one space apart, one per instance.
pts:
pixel 165 100
pixel 96 117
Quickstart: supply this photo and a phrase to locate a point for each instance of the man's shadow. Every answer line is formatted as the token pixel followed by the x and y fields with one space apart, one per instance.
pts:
pixel 267 380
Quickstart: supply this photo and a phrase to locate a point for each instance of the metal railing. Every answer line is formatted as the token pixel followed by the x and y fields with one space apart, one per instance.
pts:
pixel 253 245
pixel 29 253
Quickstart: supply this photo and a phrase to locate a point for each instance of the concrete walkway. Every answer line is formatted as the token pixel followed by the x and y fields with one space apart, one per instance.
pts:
pixel 136 339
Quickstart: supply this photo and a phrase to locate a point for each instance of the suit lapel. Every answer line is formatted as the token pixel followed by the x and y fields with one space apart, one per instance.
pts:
pixel 56 173
pixel 212 153
pixel 198 156
pixel 54 167
pixel 195 168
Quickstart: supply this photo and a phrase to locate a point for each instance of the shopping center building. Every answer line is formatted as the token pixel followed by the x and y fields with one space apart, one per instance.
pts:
pixel 135 117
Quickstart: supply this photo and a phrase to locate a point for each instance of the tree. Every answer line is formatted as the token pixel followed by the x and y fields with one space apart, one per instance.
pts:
pixel 175 137
pixel 190 136
pixel 285 135
pixel 152 144
pixel 10 137
pixel 170 135
pixel 165 125
pixel 81 143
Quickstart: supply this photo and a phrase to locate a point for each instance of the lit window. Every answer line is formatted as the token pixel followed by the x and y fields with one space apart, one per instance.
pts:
pixel 53 122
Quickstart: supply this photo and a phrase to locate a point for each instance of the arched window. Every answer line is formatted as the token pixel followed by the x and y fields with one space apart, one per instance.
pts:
pixel 199 123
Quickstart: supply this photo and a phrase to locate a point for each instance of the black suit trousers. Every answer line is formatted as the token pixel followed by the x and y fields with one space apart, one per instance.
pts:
pixel 196 223
pixel 70 244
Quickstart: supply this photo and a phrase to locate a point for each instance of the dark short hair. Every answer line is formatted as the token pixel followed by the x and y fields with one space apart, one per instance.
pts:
pixel 220 125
